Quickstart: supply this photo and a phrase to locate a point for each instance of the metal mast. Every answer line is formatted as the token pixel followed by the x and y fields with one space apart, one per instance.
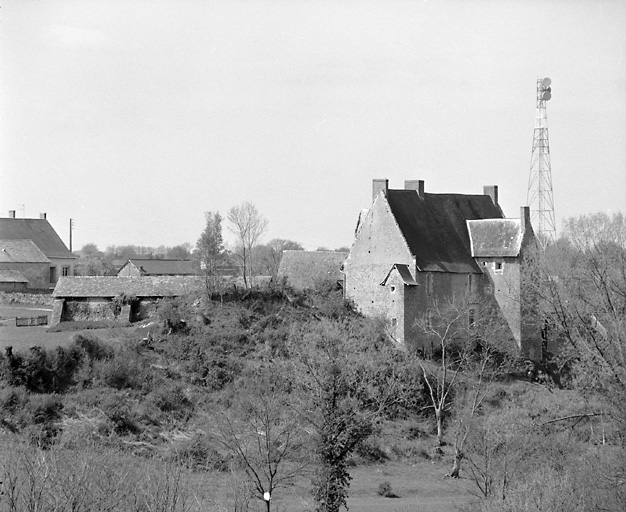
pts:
pixel 539 196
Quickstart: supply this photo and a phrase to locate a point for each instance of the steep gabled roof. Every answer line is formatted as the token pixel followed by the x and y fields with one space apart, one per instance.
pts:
pixel 495 237
pixel 144 286
pixel 405 275
pixel 21 251
pixel 150 267
pixel 304 269
pixel 39 231
pixel 434 227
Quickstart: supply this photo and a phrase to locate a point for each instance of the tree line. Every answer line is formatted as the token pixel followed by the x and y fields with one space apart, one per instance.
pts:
pixel 247 256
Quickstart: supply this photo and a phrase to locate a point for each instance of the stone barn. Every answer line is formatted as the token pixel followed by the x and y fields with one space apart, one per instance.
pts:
pixel 125 299
pixel 414 249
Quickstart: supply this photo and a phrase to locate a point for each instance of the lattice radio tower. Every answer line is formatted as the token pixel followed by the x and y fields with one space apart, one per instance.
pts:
pixel 539 196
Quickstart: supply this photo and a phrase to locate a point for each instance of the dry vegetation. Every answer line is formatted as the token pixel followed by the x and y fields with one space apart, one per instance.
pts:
pixel 295 394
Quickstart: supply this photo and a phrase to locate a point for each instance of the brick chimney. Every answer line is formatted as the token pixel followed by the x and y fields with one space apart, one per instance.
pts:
pixel 524 216
pixel 11 214
pixel 43 216
pixel 378 185
pixel 492 192
pixel 417 185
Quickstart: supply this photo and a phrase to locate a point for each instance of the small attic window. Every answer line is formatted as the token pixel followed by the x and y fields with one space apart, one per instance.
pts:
pixel 498 267
pixel 393 288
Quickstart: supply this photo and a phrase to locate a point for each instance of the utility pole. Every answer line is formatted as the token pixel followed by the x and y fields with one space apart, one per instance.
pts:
pixel 539 196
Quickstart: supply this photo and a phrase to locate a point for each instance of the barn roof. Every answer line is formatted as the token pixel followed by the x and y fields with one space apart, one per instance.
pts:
pixel 12 276
pixel 161 267
pixel 39 231
pixel 495 237
pixel 434 227
pixel 304 269
pixel 21 251
pixel 111 286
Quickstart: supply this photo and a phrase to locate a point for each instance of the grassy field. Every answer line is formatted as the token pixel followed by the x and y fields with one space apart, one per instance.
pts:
pixel 22 338
pixel 419 487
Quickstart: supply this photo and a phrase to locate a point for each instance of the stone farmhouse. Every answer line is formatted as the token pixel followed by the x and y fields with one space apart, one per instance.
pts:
pixel 414 249
pixel 309 269
pixel 33 252
pixel 150 267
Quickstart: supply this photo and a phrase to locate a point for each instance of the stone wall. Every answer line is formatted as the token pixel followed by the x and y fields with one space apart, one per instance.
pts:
pixel 378 246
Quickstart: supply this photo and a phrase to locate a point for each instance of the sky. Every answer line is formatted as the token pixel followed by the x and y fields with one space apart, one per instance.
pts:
pixel 134 117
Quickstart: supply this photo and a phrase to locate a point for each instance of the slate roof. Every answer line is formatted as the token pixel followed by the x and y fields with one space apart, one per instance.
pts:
pixel 21 251
pixel 495 237
pixel 405 275
pixel 304 268
pixel 12 276
pixel 162 267
pixel 435 228
pixel 39 231
pixel 111 286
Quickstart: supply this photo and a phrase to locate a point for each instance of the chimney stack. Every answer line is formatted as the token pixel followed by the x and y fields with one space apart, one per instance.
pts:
pixel 524 216
pixel 43 216
pixel 379 185
pixel 417 185
pixel 492 192
pixel 11 214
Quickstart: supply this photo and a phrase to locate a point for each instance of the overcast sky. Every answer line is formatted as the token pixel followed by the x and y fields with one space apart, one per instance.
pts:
pixel 135 117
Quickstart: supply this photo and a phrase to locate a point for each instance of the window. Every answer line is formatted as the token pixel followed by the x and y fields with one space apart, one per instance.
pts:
pixel 498 267
pixel 65 271
pixel 394 322
pixel 53 274
pixel 393 289
pixel 429 284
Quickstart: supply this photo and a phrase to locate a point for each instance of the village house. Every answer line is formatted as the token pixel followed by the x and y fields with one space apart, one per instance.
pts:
pixel 414 249
pixel 46 252
pixel 23 266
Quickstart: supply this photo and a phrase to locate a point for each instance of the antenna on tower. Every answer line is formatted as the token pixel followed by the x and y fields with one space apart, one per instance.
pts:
pixel 539 196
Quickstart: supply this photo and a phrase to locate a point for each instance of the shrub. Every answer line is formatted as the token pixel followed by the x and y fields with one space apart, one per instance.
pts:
pixel 370 451
pixel 198 454
pixel 13 399
pixel 123 419
pixel 172 401
pixel 94 347
pixel 384 490
pixel 124 371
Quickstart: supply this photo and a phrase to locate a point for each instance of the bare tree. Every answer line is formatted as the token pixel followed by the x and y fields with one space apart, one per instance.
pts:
pixel 261 431
pixel 247 223
pixel 465 335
